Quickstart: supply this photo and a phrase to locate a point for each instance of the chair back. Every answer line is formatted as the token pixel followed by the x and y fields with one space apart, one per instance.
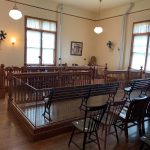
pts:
pixel 148 110
pixel 137 109
pixel 50 96
pixel 113 112
pixel 93 117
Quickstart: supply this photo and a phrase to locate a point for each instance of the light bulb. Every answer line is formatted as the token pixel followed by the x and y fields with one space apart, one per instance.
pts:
pixel 98 30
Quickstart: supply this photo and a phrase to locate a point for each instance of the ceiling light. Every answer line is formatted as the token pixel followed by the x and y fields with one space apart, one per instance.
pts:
pixel 15 13
pixel 98 29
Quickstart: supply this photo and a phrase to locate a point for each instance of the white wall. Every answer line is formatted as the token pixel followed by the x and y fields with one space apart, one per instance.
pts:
pixel 112 22
pixel 73 29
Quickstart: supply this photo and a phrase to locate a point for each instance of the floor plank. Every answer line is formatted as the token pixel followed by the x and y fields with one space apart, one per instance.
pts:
pixel 13 137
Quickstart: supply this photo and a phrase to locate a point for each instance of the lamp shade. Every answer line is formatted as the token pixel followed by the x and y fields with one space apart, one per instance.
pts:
pixel 98 30
pixel 15 13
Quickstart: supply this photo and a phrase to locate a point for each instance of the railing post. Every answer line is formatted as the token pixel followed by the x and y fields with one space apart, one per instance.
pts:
pixel 141 72
pixel 10 87
pixel 105 73
pixel 59 78
pixel 2 81
pixel 128 75
pixel 91 72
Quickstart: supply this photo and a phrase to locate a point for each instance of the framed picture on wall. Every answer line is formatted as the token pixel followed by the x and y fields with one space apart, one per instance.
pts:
pixel 76 48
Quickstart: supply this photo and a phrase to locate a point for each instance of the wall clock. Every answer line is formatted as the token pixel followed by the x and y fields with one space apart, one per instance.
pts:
pixel 2 35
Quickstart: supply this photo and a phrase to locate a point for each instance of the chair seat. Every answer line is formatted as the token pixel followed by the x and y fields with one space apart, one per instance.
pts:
pixel 80 125
pixel 46 99
pixel 146 139
pixel 123 113
pixel 128 89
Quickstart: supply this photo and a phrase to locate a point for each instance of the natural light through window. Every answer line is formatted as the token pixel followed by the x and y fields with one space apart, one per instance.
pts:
pixel 40 42
pixel 141 46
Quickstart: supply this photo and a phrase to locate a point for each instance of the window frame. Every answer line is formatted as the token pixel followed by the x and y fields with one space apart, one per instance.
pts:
pixel 41 48
pixel 140 34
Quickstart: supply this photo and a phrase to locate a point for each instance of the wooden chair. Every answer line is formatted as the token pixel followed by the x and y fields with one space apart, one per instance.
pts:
pixel 110 119
pixel 137 84
pixel 134 114
pixel 89 125
pixel 145 142
pixel 48 101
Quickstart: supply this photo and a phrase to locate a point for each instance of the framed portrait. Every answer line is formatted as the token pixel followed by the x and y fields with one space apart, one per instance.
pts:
pixel 76 48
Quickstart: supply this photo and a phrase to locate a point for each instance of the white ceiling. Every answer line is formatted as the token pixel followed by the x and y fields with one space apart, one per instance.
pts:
pixel 93 5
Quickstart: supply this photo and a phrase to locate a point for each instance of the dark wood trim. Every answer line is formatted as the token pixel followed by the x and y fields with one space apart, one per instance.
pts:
pixel 41 19
pixel 122 15
pixel 56 49
pixel 41 30
pixel 50 10
pixel 147 52
pixel 76 15
pixel 38 133
pixel 25 41
pixel 141 21
pixel 41 52
pixel 131 50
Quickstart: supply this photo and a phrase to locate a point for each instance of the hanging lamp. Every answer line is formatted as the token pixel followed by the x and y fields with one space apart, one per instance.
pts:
pixel 15 13
pixel 98 29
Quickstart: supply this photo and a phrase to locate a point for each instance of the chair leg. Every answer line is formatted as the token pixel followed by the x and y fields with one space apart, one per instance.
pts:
pixel 142 146
pixel 102 128
pixel 126 132
pixel 98 140
pixel 84 140
pixel 105 138
pixel 143 128
pixel 139 126
pixel 116 134
pixel 71 136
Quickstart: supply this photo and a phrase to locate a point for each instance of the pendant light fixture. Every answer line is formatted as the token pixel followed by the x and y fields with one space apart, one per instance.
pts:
pixel 99 29
pixel 15 13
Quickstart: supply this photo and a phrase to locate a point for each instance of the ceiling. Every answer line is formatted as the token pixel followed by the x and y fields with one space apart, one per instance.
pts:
pixel 93 5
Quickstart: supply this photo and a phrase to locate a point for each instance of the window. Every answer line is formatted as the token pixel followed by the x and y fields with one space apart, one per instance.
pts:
pixel 141 46
pixel 40 47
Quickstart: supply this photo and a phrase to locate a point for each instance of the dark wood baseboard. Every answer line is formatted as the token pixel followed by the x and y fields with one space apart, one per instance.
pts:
pixel 39 133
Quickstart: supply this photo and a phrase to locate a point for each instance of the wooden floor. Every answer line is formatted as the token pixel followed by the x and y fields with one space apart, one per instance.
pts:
pixel 13 137
pixel 61 111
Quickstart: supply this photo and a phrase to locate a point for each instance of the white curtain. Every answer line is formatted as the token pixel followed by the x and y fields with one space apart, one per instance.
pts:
pixel 33 23
pixel 42 25
pixel 141 27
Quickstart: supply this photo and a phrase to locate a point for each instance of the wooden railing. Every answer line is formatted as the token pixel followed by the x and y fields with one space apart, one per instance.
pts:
pixel 55 79
pixel 67 75
pixel 48 69
pixel 122 76
pixel 23 96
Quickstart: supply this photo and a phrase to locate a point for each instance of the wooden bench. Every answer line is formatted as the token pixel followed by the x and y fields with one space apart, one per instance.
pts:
pixel 109 89
pixel 137 84
pixel 83 92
